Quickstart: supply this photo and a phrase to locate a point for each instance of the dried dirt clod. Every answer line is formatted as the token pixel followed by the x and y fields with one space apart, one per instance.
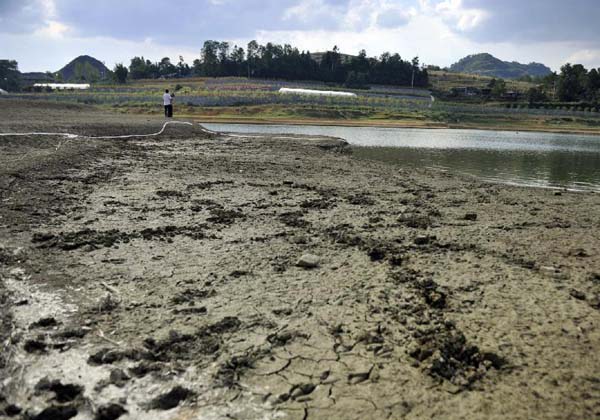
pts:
pixel 57 413
pixel 35 346
pixel 12 410
pixel 118 377
pixel 471 217
pixel 577 294
pixel 109 412
pixel 44 323
pixel 170 399
pixel 424 239
pixel 63 392
pixel 308 261
pixel 301 390
pixel 108 356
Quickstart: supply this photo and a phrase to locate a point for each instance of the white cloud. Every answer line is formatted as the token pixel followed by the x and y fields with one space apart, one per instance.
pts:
pixel 38 52
pixel 587 57
pixel 454 12
pixel 52 29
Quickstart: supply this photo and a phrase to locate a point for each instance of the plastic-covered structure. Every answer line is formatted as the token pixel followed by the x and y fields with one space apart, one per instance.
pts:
pixel 312 92
pixel 64 86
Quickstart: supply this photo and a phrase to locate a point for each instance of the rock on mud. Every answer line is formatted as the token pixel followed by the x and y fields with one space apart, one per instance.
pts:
pixel 308 261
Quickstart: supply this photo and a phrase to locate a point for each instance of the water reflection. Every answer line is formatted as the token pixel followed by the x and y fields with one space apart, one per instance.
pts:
pixel 539 159
pixel 574 170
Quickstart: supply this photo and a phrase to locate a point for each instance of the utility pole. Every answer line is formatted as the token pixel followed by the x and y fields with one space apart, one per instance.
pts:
pixel 412 83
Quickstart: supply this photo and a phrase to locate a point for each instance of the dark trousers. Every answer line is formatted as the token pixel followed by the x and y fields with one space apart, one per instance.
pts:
pixel 169 111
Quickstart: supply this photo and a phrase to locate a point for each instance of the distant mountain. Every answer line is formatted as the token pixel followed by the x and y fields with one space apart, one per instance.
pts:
pixel 83 69
pixel 488 65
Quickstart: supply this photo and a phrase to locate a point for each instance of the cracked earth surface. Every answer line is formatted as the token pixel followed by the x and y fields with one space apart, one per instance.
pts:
pixel 160 278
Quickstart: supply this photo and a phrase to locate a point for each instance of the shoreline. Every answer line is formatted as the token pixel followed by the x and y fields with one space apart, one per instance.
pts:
pixel 375 124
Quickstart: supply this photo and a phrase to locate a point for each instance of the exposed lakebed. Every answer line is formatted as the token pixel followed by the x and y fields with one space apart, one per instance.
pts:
pixel 519 158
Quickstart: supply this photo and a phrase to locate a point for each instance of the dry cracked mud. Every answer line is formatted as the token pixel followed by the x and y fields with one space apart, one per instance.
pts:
pixel 160 278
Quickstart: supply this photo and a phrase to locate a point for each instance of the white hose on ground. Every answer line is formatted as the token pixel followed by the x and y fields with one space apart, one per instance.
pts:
pixel 74 136
pixel 158 133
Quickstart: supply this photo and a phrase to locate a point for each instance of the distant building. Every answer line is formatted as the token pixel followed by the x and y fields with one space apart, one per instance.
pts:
pixel 511 95
pixel 466 91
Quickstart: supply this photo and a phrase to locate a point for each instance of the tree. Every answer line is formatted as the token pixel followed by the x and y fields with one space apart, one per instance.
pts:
pixel 138 68
pixel 209 58
pixel 251 56
pixel 120 73
pixel 182 68
pixel 571 82
pixel 536 94
pixel 592 85
pixel 166 68
pixel 356 80
pixel 10 77
pixel 498 87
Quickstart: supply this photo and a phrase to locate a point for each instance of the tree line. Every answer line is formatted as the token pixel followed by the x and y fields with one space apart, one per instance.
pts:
pixel 273 61
pixel 574 83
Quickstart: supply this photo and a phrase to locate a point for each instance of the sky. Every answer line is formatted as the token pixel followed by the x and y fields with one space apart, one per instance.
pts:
pixel 44 35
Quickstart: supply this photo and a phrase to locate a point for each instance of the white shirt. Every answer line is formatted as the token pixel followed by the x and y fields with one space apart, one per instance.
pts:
pixel 167 99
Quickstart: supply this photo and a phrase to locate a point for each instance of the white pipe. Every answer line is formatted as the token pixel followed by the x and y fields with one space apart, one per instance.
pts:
pixel 74 136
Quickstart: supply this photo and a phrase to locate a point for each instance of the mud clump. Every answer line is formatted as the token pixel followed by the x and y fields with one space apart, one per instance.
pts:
pixel 74 240
pixel 170 399
pixel 44 323
pixel 177 346
pixel 453 359
pixel 225 217
pixel 35 346
pixel 293 219
pixel 11 410
pixel 229 373
pixel 62 392
pixel 170 194
pixel 109 412
pixel 93 239
pixel 168 232
pixel 284 337
pixel 57 413
pixel 191 296
pixel 317 204
pixel 109 356
pixel 433 294
pixel 415 221
pixel 361 199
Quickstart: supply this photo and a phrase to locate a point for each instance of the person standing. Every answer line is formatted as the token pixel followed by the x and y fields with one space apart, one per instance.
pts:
pixel 168 102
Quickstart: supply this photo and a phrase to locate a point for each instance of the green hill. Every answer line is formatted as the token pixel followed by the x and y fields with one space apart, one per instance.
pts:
pixel 488 65
pixel 83 69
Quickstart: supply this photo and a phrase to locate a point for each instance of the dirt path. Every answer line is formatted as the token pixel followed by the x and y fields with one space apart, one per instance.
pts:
pixel 194 276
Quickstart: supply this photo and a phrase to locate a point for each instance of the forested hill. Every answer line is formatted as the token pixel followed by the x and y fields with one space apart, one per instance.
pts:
pixel 83 69
pixel 488 65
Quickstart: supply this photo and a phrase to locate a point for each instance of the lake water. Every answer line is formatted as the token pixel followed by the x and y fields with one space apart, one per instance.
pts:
pixel 519 158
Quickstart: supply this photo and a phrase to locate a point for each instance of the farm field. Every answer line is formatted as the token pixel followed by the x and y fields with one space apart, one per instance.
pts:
pixel 195 275
pixel 258 101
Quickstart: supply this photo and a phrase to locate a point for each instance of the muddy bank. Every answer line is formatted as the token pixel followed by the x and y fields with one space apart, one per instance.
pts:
pixel 195 276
